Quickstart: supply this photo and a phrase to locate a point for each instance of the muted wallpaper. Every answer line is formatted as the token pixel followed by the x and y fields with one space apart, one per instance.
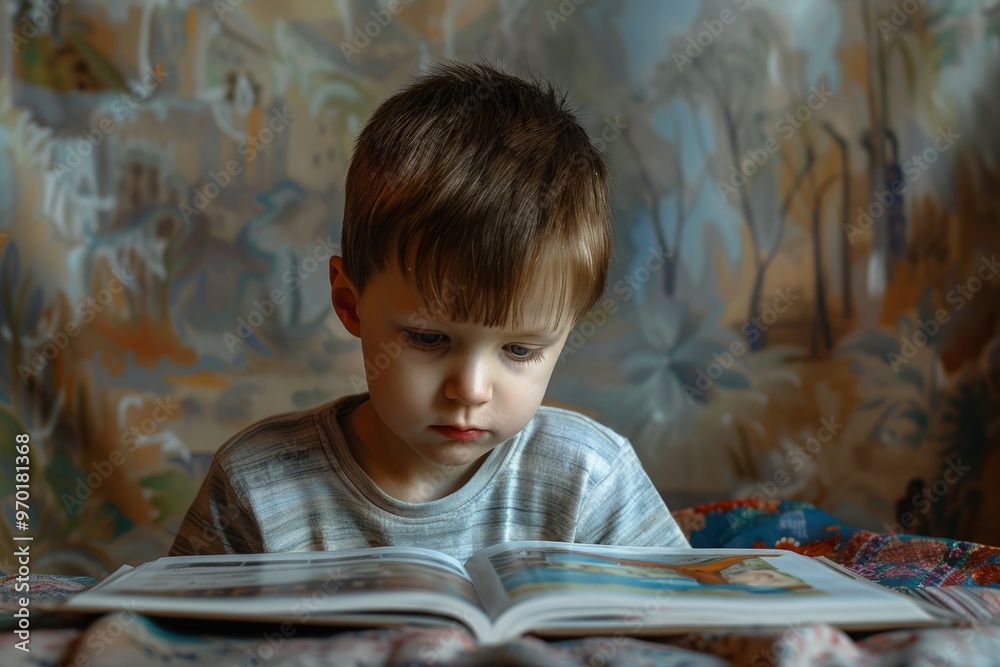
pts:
pixel 804 301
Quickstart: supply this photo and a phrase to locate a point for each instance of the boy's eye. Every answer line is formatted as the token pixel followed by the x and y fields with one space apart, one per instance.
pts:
pixel 522 353
pixel 424 339
pixel 432 341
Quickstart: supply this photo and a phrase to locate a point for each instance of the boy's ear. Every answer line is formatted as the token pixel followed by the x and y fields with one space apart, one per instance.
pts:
pixel 345 298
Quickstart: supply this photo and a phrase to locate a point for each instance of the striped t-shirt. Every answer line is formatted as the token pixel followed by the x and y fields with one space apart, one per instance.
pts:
pixel 290 483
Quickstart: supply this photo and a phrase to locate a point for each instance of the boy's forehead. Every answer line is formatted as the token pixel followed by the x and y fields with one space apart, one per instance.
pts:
pixel 537 311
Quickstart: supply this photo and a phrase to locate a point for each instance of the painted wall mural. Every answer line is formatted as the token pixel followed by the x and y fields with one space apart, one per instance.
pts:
pixel 804 303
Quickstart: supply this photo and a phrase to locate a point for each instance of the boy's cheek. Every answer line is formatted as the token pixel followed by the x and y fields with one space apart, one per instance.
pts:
pixel 552 357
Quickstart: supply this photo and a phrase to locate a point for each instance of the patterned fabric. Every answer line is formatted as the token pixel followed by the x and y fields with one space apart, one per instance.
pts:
pixel 978 604
pixel 898 561
pixel 42 588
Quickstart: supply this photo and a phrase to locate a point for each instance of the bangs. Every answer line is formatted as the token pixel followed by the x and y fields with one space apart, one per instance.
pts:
pixel 540 291
pixel 495 263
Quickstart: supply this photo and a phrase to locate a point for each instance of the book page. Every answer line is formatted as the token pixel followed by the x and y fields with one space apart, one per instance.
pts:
pixel 283 577
pixel 297 587
pixel 532 585
pixel 543 570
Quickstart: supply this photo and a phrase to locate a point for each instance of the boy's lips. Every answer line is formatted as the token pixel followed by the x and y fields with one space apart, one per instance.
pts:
pixel 463 433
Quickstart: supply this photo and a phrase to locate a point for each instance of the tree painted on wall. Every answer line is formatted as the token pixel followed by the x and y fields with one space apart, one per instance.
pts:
pixel 730 80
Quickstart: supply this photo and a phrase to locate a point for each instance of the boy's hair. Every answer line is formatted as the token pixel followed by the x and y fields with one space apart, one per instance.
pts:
pixel 483 180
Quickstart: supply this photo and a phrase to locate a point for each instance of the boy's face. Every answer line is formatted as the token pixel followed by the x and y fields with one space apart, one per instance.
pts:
pixel 443 393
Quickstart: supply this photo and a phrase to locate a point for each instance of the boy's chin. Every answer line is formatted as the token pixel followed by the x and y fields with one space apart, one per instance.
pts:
pixel 454 454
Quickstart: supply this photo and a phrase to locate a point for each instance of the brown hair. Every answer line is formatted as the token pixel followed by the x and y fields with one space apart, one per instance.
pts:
pixel 479 179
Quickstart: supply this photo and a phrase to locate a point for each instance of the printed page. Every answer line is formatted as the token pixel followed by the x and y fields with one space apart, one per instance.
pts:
pixel 538 584
pixel 309 587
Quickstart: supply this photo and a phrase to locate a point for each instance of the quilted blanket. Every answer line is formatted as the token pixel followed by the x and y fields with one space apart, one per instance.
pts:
pixel 962 576
pixel 899 561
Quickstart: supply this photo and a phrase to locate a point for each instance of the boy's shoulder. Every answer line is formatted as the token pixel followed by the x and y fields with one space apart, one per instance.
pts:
pixel 279 435
pixel 566 433
pixel 571 422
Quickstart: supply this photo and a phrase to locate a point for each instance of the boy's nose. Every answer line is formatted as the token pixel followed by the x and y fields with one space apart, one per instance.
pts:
pixel 469 383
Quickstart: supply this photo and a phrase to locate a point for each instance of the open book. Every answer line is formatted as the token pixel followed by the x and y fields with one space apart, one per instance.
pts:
pixel 542 588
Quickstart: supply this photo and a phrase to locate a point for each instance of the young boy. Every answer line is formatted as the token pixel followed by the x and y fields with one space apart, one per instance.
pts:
pixel 476 232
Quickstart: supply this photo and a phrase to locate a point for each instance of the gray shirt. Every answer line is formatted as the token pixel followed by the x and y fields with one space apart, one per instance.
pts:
pixel 290 483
